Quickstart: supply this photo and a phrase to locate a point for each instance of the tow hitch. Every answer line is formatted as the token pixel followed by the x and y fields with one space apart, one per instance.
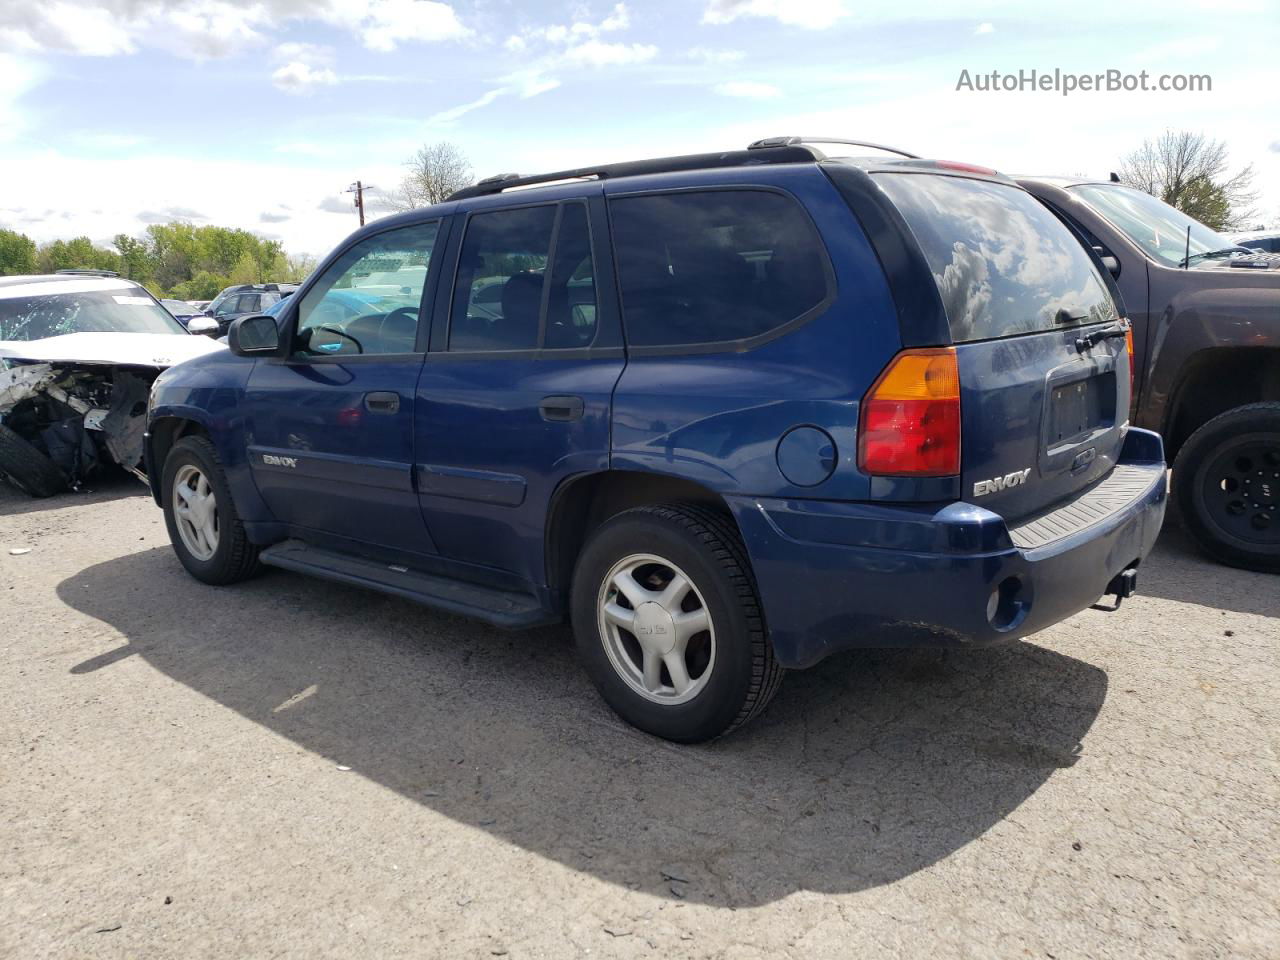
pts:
pixel 1123 585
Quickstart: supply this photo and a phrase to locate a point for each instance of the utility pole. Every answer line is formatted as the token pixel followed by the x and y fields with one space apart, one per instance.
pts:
pixel 358 189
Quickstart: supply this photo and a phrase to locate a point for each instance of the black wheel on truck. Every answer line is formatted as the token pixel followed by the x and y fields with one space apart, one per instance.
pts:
pixel 668 622
pixel 207 533
pixel 1226 482
pixel 27 468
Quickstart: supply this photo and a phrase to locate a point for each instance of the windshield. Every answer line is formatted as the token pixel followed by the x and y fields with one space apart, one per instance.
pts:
pixel 1159 229
pixel 94 311
pixel 1003 263
pixel 179 308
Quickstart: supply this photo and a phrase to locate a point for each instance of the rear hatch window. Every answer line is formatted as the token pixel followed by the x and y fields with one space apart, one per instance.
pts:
pixel 1044 376
pixel 1003 263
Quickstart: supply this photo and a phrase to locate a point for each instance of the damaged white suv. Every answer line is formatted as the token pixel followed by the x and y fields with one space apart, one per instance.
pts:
pixel 78 354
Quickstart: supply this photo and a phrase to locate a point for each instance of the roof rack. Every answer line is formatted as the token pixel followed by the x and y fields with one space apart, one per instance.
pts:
pixel 754 156
pixel 87 272
pixel 770 142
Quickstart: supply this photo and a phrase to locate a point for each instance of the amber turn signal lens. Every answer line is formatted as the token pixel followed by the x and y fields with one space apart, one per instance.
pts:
pixel 910 418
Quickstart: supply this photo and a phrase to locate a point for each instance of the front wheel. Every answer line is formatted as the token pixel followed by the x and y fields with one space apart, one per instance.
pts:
pixel 205 530
pixel 1226 482
pixel 668 623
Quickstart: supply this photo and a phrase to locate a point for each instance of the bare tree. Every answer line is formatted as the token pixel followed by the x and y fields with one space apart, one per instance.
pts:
pixel 435 171
pixel 1189 171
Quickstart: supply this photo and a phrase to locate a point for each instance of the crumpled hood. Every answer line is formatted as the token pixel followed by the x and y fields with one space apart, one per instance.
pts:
pixel 119 349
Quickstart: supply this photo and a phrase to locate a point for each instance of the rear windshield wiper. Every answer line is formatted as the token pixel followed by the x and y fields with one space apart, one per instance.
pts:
pixel 1118 330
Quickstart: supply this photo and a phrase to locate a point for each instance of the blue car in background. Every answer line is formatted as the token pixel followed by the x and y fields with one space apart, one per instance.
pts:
pixel 727 414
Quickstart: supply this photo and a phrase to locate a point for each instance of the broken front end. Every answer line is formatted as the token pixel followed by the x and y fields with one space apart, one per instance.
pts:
pixel 60 423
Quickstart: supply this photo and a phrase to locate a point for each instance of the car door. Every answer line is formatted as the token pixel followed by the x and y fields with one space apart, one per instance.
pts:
pixel 331 426
pixel 515 393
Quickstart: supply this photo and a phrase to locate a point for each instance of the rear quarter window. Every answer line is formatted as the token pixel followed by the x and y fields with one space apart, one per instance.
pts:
pixel 1003 263
pixel 715 266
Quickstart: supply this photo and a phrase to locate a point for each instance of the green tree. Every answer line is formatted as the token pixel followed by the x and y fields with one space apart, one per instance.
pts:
pixel 135 258
pixel 75 254
pixel 17 253
pixel 1190 171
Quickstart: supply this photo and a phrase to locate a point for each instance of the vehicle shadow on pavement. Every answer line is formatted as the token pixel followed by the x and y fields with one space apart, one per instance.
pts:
pixel 1176 571
pixel 113 486
pixel 865 769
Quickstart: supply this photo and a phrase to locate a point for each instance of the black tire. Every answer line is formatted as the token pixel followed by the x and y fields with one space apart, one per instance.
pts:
pixel 1226 482
pixel 705 544
pixel 235 558
pixel 27 468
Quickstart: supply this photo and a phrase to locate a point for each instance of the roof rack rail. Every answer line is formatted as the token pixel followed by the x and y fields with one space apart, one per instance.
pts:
pixel 780 153
pixel 770 142
pixel 87 272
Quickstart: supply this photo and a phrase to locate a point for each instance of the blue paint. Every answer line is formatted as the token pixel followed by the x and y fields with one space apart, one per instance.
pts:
pixel 462 476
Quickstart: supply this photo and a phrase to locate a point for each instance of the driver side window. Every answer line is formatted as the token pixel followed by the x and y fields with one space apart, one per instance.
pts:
pixel 368 300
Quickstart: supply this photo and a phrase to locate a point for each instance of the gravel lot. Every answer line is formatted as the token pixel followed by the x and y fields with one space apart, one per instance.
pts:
pixel 293 768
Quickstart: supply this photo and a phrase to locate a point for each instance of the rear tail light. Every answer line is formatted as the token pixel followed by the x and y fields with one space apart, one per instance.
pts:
pixel 910 420
pixel 1128 346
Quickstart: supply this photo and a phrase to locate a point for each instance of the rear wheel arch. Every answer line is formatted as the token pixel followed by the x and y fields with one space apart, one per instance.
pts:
pixel 582 503
pixel 1214 381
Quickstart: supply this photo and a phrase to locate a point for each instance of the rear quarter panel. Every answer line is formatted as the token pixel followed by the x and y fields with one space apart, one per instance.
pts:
pixel 716 417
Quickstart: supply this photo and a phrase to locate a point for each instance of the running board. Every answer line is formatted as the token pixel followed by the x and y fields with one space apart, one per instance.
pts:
pixel 502 608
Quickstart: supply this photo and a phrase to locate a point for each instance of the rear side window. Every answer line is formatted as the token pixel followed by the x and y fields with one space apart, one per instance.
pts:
pixel 714 266
pixel 517 288
pixel 1004 264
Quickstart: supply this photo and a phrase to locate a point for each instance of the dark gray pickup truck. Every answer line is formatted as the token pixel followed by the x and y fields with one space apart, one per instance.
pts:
pixel 1206 330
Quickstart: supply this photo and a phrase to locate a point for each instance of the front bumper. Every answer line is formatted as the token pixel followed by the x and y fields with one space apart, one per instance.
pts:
pixel 834 576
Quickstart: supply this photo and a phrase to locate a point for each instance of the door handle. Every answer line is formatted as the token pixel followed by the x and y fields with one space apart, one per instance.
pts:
pixel 383 401
pixel 561 409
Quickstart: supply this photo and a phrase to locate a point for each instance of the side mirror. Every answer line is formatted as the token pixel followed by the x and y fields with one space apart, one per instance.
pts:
pixel 254 336
pixel 1112 265
pixel 203 326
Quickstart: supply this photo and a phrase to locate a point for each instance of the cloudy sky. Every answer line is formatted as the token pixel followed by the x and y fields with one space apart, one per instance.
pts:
pixel 119 113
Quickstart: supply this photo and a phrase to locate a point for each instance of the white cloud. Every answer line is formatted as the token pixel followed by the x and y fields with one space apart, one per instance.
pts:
pixel 301 78
pixel 306 66
pixel 619 19
pixel 596 53
pixel 748 89
pixel 383 24
pixel 67 27
pixel 709 55
pixel 203 29
pixel 984 28
pixel 579 43
pixel 811 14
pixel 453 113
pixel 17 76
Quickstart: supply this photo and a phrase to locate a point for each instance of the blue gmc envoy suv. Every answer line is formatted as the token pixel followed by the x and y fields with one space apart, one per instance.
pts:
pixel 727 413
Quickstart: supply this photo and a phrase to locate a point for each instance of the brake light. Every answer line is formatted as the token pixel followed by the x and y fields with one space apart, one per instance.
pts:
pixel 1128 346
pixel 910 419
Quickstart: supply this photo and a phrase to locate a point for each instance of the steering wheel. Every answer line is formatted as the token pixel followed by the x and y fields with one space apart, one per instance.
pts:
pixel 341 333
pixel 408 312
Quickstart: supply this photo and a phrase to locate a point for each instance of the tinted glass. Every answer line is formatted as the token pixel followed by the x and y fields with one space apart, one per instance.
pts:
pixel 97 311
pixel 571 302
pixel 368 300
pixel 714 266
pixel 1156 227
pixel 497 301
pixel 1003 263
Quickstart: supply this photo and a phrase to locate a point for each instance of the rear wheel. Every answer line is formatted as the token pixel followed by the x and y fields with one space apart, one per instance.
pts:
pixel 1227 484
pixel 27 468
pixel 668 623
pixel 207 533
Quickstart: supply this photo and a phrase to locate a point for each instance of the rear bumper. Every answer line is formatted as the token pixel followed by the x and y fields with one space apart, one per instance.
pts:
pixel 834 576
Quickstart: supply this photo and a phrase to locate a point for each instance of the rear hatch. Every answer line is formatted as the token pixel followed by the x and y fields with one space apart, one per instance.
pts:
pixel 1044 372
